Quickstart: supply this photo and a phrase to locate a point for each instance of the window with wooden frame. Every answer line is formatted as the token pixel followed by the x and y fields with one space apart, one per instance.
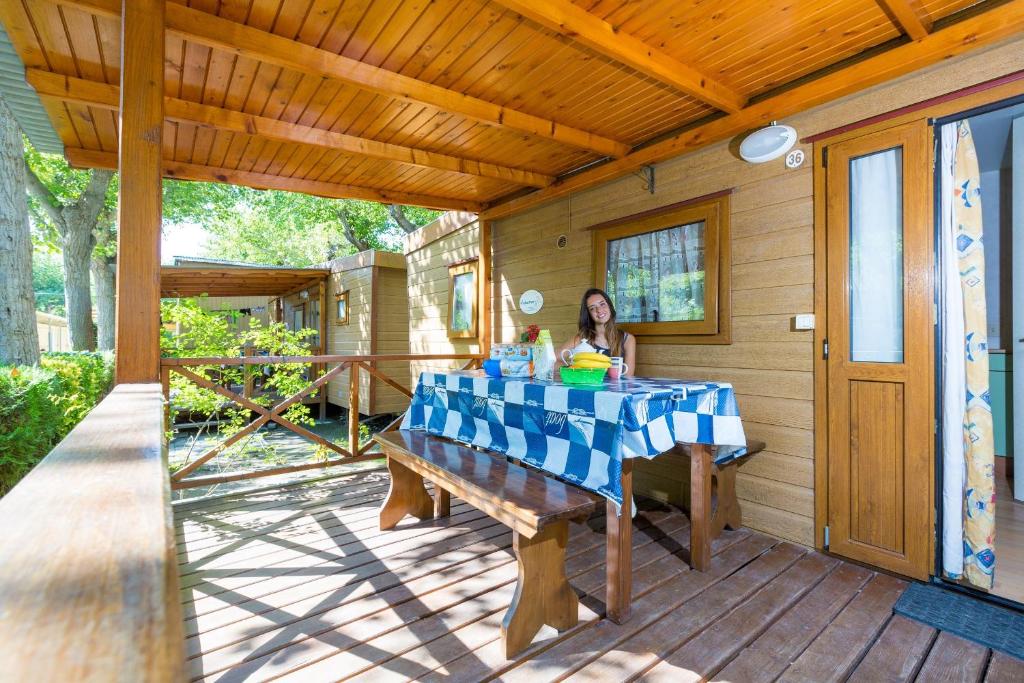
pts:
pixel 298 317
pixel 667 271
pixel 462 305
pixel 341 308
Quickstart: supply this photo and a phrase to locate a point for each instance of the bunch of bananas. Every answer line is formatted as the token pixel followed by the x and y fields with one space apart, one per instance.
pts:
pixel 589 359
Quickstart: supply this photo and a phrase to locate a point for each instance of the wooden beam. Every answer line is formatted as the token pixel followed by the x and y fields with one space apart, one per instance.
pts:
pixel 581 26
pixel 906 18
pixel 977 31
pixel 484 322
pixel 96 94
pixel 86 158
pixel 222 34
pixel 137 330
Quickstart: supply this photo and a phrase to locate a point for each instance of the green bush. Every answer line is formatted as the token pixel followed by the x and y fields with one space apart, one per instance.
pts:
pixel 40 405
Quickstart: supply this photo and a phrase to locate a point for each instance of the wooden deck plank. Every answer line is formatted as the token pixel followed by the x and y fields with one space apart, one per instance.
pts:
pixel 571 655
pixel 708 653
pixel 1003 668
pixel 326 632
pixel 641 651
pixel 898 653
pixel 768 656
pixel 834 653
pixel 955 660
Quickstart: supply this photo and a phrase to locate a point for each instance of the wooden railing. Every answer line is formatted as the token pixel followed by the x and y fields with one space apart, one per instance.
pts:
pixel 355 364
pixel 88 564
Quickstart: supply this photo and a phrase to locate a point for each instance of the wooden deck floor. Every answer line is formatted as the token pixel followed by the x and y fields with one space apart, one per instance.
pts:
pixel 298 583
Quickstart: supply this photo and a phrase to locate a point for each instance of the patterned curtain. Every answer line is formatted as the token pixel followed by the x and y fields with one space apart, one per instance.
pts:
pixel 978 498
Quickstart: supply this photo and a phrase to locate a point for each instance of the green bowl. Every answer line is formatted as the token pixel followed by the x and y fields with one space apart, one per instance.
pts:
pixel 583 375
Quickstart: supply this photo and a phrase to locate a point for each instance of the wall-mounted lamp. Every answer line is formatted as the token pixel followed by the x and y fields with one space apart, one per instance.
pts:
pixel 304 294
pixel 767 143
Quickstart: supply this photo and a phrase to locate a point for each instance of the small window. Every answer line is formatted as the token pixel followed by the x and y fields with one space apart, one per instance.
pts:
pixel 462 309
pixel 668 273
pixel 341 308
pixel 298 317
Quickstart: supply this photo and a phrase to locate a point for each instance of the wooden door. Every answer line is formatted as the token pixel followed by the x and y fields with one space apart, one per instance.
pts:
pixel 879 344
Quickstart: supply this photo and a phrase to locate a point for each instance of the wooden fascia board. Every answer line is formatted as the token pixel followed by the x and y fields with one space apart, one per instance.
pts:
pixel 96 94
pixel 907 18
pixel 223 34
pixel 583 27
pixel 977 31
pixel 84 158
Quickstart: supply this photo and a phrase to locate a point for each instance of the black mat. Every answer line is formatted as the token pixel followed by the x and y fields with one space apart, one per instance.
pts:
pixel 976 620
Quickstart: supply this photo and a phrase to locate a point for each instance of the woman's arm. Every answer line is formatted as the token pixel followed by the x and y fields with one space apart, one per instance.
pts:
pixel 629 356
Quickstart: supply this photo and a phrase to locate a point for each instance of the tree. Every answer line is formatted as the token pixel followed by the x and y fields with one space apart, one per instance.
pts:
pixel 67 204
pixel 19 339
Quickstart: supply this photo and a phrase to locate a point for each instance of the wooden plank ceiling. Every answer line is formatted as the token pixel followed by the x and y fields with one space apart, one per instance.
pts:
pixel 185 281
pixel 471 104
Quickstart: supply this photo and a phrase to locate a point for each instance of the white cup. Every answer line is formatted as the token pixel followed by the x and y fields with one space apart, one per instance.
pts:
pixel 618 368
pixel 582 347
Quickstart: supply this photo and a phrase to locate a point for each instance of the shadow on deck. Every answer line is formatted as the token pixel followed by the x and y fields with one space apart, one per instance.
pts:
pixel 298 582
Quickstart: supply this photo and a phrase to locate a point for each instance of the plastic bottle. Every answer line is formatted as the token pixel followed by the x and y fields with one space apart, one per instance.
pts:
pixel 544 356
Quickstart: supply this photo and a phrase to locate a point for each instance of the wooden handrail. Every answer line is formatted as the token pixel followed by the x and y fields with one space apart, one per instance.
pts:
pixel 355 453
pixel 88 564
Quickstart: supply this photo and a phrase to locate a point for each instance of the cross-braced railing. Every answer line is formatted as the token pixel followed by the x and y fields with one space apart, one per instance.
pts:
pixel 276 412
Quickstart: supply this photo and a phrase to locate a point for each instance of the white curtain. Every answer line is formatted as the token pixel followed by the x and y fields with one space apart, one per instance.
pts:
pixel 876 258
pixel 954 396
pixel 640 267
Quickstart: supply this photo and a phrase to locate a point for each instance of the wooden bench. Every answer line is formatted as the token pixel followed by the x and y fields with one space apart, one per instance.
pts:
pixel 716 491
pixel 536 507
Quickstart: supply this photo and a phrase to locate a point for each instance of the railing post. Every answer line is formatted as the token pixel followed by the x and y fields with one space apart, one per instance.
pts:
pixel 353 408
pixel 165 385
pixel 247 379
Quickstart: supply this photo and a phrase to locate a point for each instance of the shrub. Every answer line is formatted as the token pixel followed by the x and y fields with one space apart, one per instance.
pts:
pixel 40 405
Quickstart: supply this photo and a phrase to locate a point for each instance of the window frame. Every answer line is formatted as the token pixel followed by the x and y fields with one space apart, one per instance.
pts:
pixel 455 270
pixel 713 210
pixel 341 296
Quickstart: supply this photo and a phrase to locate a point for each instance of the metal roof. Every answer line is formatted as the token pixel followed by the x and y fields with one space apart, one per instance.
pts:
pixel 24 102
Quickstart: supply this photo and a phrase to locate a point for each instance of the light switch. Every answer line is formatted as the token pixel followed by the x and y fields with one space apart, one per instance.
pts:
pixel 804 321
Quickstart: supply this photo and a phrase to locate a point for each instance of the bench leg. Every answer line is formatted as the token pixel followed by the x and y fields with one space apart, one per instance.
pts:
pixel 442 502
pixel 543 594
pixel 700 507
pixel 727 510
pixel 406 496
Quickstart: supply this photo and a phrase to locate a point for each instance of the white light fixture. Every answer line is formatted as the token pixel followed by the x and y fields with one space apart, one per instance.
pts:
pixel 767 143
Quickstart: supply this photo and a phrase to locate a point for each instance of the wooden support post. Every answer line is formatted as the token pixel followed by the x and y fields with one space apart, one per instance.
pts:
pixel 442 502
pixel 165 386
pixel 484 289
pixel 140 205
pixel 543 594
pixel 619 531
pixel 700 506
pixel 247 381
pixel 324 349
pixel 353 408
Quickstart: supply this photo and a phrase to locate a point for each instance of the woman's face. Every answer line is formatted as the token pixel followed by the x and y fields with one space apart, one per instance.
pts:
pixel 600 312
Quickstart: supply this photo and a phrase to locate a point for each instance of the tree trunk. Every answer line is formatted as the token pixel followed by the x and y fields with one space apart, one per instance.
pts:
pixel 103 270
pixel 77 253
pixel 19 339
pixel 404 223
pixel 350 234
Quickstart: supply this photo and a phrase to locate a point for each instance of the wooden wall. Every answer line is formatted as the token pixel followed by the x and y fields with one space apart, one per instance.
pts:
pixel 769 364
pixel 452 238
pixel 237 303
pixel 377 324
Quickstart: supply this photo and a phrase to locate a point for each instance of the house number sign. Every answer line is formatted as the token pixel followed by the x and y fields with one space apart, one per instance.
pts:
pixel 531 301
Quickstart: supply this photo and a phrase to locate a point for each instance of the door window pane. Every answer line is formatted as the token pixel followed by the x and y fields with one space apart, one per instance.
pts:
pixel 876 257
pixel 658 276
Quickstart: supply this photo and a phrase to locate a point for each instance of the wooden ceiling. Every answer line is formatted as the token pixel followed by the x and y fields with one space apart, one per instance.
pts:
pixel 472 104
pixel 187 281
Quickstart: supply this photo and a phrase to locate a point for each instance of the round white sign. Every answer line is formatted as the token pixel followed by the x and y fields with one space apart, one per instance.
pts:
pixel 531 301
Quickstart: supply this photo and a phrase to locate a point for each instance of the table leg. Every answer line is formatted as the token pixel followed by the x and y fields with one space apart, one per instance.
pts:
pixel 700 506
pixel 620 550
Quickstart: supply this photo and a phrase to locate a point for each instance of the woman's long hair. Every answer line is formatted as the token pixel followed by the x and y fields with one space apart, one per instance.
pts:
pixel 588 330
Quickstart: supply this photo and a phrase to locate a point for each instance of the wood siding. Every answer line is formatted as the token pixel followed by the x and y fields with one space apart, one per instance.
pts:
pixel 769 364
pixel 427 264
pixel 237 303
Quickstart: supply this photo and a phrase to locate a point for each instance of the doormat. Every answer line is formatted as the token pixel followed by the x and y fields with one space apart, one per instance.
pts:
pixel 972 619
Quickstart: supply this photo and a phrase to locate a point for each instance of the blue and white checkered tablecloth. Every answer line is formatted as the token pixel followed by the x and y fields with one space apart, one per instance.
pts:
pixel 578 433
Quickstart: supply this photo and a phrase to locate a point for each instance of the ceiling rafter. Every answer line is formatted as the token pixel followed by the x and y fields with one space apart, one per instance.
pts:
pixel 223 34
pixel 98 94
pixel 85 158
pixel 907 18
pixel 979 30
pixel 583 27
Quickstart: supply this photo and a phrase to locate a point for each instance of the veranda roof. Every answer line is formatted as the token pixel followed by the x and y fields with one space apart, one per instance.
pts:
pixel 184 281
pixel 472 104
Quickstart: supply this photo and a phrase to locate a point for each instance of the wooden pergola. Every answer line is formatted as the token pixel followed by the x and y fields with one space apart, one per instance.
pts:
pixel 186 281
pixel 493 107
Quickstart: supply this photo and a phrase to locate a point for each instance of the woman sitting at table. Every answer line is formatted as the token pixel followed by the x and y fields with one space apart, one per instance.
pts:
pixel 597 328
